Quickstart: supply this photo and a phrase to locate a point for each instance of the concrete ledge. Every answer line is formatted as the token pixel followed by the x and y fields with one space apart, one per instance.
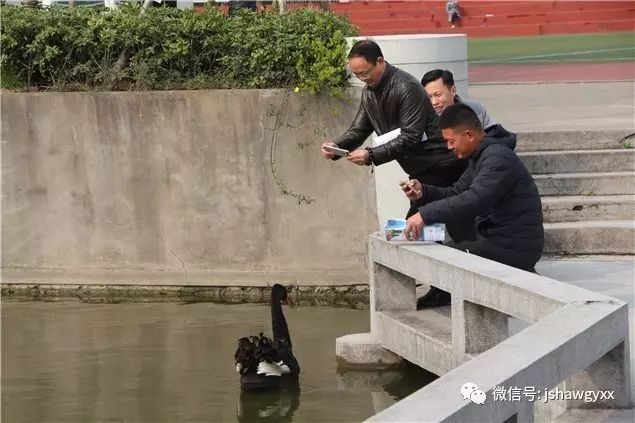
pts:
pixel 348 296
pixel 361 350
pixel 517 293
pixel 592 207
pixel 579 161
pixel 627 258
pixel 592 183
pixel 576 140
pixel 590 237
pixel 421 337
pixel 170 277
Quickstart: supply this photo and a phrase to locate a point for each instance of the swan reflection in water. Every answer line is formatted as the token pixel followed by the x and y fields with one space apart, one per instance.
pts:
pixel 385 388
pixel 269 374
pixel 268 406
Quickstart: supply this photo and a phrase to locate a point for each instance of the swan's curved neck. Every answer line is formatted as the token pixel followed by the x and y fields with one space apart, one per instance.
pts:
pixel 279 323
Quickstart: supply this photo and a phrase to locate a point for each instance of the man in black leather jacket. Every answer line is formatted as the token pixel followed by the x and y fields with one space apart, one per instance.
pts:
pixel 391 99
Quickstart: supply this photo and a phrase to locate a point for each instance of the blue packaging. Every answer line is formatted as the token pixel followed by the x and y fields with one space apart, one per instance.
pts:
pixel 394 231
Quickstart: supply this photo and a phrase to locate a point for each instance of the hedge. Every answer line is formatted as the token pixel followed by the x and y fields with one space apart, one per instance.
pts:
pixel 83 48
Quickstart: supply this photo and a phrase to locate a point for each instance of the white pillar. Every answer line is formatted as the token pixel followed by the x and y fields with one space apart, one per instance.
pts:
pixel 185 4
pixel 420 53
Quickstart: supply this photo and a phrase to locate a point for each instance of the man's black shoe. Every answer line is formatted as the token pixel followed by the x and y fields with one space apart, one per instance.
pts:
pixel 433 298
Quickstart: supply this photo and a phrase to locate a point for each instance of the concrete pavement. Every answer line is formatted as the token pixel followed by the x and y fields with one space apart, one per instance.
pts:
pixel 613 278
pixel 559 106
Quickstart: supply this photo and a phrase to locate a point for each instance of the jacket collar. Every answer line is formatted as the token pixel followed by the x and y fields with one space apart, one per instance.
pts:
pixel 479 150
pixel 495 134
pixel 385 78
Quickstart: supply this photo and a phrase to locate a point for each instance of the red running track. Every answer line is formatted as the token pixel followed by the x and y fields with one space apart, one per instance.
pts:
pixel 617 71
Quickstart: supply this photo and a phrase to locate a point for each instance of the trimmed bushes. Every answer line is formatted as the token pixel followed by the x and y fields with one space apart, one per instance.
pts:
pixel 92 48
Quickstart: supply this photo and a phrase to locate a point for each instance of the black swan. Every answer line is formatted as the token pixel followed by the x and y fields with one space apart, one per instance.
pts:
pixel 264 363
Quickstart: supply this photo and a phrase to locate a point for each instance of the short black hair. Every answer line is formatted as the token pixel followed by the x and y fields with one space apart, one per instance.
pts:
pixel 459 115
pixel 367 49
pixel 445 75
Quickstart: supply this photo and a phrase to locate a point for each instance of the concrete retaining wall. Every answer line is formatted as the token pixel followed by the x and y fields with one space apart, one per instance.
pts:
pixel 227 188
pixel 219 181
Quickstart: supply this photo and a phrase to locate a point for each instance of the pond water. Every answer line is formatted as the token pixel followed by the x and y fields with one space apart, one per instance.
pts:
pixel 166 362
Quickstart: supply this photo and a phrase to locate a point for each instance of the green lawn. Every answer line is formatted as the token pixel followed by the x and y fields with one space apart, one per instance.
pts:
pixel 573 48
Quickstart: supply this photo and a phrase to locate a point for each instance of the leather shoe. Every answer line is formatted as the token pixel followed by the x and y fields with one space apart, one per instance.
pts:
pixel 433 298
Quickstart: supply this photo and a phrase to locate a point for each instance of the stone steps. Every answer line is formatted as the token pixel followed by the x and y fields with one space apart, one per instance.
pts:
pixel 592 207
pixel 587 183
pixel 576 140
pixel 579 161
pixel 591 183
pixel 590 237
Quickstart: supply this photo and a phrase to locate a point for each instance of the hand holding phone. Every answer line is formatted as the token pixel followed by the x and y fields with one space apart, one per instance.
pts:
pixel 412 188
pixel 327 154
pixel 340 152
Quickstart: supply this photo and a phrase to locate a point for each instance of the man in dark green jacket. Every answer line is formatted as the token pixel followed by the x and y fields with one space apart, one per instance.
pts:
pixel 496 199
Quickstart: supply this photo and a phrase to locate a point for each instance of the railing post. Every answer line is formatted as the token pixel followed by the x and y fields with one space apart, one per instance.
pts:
pixel 524 414
pixel 475 328
pixel 548 411
pixel 389 290
pixel 611 373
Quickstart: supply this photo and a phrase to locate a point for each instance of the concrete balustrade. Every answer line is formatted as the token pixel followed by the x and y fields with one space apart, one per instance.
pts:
pixel 577 339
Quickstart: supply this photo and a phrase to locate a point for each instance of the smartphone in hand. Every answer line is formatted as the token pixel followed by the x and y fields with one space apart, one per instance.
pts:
pixel 340 152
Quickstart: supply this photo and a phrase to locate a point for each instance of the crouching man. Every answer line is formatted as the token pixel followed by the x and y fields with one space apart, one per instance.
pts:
pixel 495 202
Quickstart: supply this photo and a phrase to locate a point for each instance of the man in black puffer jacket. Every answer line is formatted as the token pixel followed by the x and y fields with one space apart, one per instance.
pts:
pixel 496 198
pixel 393 99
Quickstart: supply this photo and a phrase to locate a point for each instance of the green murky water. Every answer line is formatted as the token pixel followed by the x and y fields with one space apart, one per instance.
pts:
pixel 168 362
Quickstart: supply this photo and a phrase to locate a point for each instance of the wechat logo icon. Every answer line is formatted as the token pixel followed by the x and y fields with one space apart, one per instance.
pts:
pixel 469 391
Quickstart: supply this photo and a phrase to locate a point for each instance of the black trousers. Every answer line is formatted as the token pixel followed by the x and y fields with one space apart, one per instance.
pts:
pixel 482 247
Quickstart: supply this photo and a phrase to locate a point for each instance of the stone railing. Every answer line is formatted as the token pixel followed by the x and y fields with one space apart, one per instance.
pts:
pixel 577 340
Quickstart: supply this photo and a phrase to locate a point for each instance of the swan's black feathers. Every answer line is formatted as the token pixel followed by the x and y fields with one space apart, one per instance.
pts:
pixel 285 352
pixel 263 362
pixel 266 350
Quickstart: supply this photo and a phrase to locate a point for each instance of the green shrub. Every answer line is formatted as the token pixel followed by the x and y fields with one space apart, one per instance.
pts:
pixel 92 48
